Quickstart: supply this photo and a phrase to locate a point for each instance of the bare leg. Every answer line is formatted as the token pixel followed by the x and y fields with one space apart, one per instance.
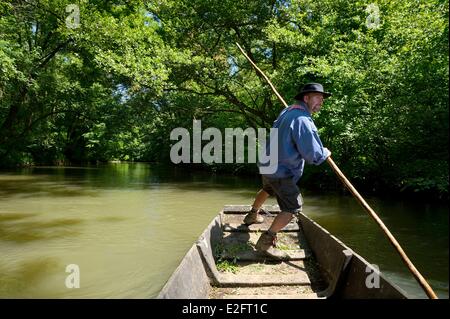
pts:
pixel 261 197
pixel 280 222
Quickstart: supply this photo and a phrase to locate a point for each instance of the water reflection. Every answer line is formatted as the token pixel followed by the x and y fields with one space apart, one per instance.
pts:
pixel 18 281
pixel 420 228
pixel 26 231
pixel 128 226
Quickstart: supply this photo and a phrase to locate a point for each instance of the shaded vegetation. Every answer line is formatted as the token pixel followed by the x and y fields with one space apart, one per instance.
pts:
pixel 114 87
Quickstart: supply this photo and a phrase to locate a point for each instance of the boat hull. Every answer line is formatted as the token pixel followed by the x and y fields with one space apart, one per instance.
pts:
pixel 347 275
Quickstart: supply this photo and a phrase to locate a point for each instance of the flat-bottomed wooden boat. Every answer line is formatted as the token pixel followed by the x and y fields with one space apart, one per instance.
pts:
pixel 223 264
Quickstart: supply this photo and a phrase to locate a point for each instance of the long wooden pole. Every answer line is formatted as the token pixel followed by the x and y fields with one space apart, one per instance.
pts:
pixel 428 290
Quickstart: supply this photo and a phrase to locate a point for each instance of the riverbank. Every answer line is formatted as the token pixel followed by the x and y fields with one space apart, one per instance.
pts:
pixel 315 178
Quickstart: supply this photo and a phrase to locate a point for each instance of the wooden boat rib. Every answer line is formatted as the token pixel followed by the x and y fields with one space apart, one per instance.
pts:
pixel 319 265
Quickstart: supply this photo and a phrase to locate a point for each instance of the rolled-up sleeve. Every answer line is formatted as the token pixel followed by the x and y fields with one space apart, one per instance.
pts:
pixel 307 141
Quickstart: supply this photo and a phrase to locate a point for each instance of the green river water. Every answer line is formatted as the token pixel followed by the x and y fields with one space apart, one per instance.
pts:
pixel 127 227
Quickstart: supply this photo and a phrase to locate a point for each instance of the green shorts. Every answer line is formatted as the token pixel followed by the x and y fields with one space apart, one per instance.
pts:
pixel 287 192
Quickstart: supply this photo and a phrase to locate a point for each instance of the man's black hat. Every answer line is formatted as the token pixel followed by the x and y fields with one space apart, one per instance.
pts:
pixel 311 87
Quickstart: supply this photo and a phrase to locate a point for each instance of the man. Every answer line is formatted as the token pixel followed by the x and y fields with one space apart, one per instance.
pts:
pixel 298 142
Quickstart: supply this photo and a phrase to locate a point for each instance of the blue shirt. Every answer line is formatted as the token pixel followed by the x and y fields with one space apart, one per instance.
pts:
pixel 298 142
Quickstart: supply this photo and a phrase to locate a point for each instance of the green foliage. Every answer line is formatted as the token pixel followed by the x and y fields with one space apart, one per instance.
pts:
pixel 115 87
pixel 225 265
